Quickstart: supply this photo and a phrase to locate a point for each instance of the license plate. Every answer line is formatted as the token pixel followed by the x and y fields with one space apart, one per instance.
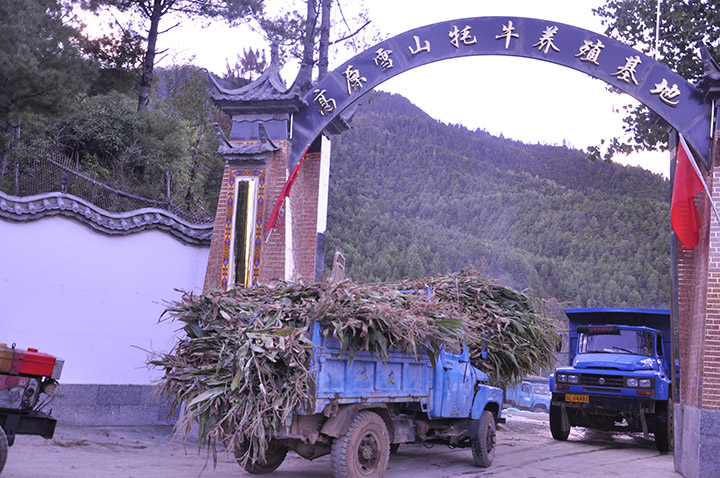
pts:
pixel 577 398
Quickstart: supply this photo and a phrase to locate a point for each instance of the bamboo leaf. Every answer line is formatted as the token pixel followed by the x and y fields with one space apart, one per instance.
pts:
pixel 206 395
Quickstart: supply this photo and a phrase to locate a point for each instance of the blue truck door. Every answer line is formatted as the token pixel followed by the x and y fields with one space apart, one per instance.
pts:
pixel 455 382
pixel 525 396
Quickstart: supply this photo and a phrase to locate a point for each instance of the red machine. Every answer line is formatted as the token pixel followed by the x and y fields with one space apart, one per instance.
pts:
pixel 28 382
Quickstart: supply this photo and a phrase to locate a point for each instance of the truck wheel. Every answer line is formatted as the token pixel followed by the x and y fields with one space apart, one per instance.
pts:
pixel 364 450
pixel 3 449
pixel 664 436
pixel 559 432
pixel 483 444
pixel 274 456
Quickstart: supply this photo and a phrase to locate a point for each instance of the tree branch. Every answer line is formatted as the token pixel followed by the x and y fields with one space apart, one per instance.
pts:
pixel 165 31
pixel 347 37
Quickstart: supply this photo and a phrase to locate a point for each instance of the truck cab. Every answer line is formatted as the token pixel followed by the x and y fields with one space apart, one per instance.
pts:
pixel 618 377
pixel 530 395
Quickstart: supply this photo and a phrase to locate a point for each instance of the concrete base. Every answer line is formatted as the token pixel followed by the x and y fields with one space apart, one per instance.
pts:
pixel 697 442
pixel 110 405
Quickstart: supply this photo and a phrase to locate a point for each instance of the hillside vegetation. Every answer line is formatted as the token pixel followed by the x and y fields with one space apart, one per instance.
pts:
pixel 411 196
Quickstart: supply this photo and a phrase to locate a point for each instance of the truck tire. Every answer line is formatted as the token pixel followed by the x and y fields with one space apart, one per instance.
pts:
pixel 664 436
pixel 364 450
pixel 483 444
pixel 3 449
pixel 274 456
pixel 559 432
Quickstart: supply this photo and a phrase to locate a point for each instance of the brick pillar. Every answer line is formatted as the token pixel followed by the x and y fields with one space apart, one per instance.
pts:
pixel 273 253
pixel 711 352
pixel 304 198
pixel 272 248
pixel 213 272
pixel 697 416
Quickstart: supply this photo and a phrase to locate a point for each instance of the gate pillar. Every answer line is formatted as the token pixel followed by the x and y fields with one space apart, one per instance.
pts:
pixel 244 251
pixel 697 408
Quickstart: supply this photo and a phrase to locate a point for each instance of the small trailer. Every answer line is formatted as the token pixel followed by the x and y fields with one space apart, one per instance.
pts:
pixel 364 407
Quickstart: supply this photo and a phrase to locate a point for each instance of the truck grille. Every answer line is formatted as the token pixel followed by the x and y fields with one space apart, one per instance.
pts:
pixel 602 380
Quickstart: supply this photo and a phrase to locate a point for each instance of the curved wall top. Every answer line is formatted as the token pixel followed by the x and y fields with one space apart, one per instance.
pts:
pixel 665 92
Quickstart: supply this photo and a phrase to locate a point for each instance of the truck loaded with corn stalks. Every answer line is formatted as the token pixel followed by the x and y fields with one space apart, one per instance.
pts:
pixel 350 370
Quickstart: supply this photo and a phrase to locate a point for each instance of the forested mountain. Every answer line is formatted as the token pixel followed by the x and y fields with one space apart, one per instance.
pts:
pixel 411 196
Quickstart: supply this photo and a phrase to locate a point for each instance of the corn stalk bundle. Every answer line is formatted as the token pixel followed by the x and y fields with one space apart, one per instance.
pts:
pixel 244 364
pixel 522 340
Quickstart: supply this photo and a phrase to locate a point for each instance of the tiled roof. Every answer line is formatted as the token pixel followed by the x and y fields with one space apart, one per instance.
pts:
pixel 245 149
pixel 269 88
pixel 31 208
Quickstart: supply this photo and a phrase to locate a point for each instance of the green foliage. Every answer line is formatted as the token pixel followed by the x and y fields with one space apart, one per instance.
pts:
pixel 232 10
pixel 120 55
pixel 123 51
pixel 140 152
pixel 153 11
pixel 182 92
pixel 302 29
pixel 247 68
pixel 132 150
pixel 410 196
pixel 50 101
pixel 684 26
pixel 41 69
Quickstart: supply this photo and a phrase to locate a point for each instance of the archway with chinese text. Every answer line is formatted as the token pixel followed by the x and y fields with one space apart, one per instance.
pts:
pixel 682 105
pixel 652 83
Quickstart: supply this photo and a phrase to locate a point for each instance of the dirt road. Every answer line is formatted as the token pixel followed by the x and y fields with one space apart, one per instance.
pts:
pixel 525 450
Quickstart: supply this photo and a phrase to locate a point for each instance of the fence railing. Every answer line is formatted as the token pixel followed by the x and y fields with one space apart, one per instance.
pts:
pixel 58 172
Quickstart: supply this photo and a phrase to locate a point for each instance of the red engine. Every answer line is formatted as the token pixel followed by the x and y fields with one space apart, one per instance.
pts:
pixel 24 375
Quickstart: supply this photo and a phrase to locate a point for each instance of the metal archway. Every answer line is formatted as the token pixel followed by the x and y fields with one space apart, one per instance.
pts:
pixel 669 95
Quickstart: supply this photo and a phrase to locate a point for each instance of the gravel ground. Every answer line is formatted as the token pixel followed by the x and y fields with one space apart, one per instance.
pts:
pixel 525 449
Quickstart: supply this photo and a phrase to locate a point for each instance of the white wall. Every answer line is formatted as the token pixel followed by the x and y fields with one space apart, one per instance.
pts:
pixel 93 299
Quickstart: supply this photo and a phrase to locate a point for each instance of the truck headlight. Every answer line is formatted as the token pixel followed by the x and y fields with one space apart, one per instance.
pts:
pixel 561 377
pixel 573 378
pixel 645 383
pixel 631 382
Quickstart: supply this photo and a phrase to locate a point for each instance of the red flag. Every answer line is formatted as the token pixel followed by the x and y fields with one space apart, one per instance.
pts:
pixel 285 192
pixel 683 213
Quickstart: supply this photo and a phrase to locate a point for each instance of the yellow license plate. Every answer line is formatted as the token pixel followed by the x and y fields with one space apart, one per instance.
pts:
pixel 577 398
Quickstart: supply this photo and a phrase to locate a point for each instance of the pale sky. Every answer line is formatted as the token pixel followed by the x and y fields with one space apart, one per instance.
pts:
pixel 528 100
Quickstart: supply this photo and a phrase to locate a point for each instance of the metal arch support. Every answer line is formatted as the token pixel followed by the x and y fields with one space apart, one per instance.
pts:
pixel 665 92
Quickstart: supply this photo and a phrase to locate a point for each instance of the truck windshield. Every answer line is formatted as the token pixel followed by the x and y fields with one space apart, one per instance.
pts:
pixel 636 342
pixel 541 389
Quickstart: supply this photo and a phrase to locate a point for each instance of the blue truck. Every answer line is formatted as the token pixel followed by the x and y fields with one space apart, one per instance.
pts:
pixel 619 376
pixel 362 408
pixel 530 394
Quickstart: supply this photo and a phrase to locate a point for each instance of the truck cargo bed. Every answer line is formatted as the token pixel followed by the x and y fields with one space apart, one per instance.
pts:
pixel 367 377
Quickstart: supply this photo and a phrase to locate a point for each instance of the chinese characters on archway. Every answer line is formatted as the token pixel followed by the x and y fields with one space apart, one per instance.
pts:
pixel 464 37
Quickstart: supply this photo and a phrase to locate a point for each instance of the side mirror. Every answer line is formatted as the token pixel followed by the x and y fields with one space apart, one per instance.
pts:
pixel 559 345
pixel 483 346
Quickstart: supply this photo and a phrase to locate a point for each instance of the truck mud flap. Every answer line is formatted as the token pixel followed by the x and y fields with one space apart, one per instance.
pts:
pixel 564 421
pixel 27 424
